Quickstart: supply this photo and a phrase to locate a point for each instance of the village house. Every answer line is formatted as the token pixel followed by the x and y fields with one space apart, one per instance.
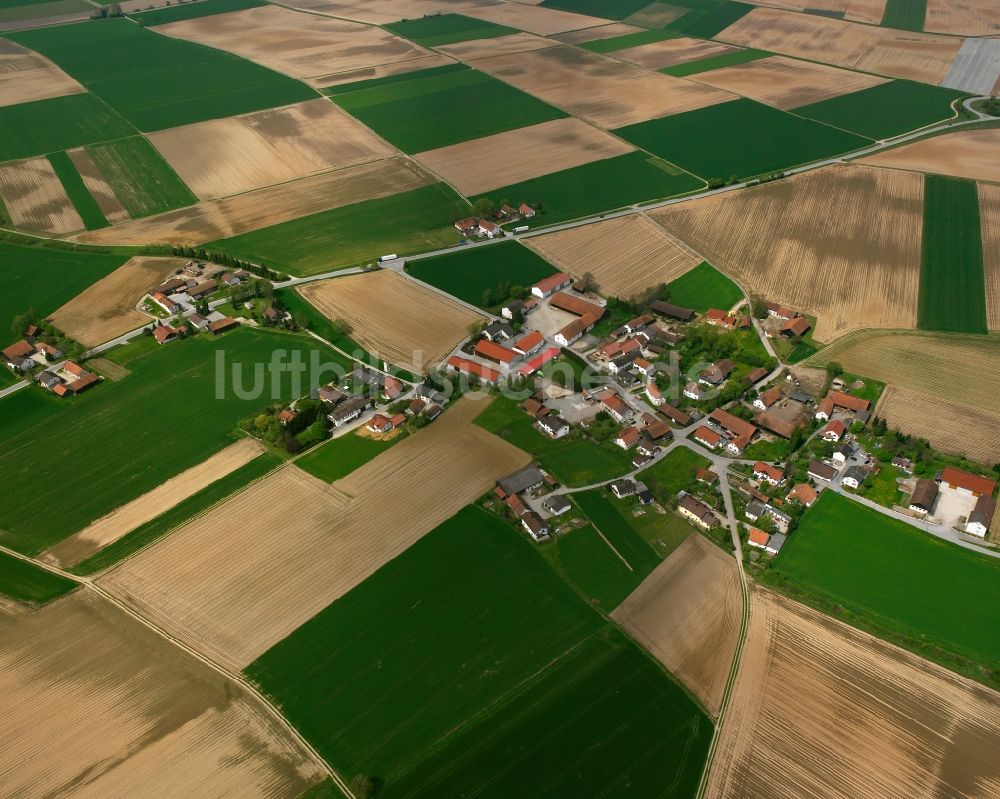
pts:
pixel 526 211
pixel 468 226
pixel 739 431
pixel 556 504
pixel 529 344
pixel 575 330
pixel 535 363
pixel 622 363
pixel 512 310
pixel 536 528
pixel 717 373
pixel 429 394
pixel 924 495
pixel 165 333
pixel 718 318
pixel 644 367
pixel 554 426
pixel 222 325
pixel 803 493
pixel 543 288
pixel 498 331
pixel 708 437
pixel 854 476
pixel 633 325
pixel 842 453
pixel 675 415
pixel 671 311
pixel 952 479
pixel 654 395
pixel 780 311
pixel 620 410
pixel 833 431
pixel 754 510
pixel 768 473
pixel 905 465
pixel 838 399
pixel 170 286
pixel 693 390
pixel 623 488
pixel 392 388
pixel 821 471
pixel 200 290
pixel 489 229
pixel 795 327
pixel 287 415
pixel 706 476
pixel 51 353
pixel 415 407
pixel 527 479
pixel 432 412
pixel 197 321
pixel 347 411
pixel 654 429
pixel 627 438
pixel 697 511
pixel 18 355
pixel 331 394
pixel 768 398
pixel 496 353
pixel 47 379
pixel 757 538
pixel 575 305
pixel 462 365
pixel 164 302
pixel 754 376
pixel 981 516
pixel 379 423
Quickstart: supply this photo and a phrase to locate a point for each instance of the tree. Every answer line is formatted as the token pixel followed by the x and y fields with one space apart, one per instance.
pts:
pixel 483 207
pixel 342 326
pixel 475 328
pixel 21 322
pixel 833 369
pixel 587 282
pixel 758 308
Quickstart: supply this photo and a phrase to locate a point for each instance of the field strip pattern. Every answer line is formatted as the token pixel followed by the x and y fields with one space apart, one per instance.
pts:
pixel 26 76
pixel 963 154
pixel 98 186
pixel 989 219
pixel 870 11
pixel 35 198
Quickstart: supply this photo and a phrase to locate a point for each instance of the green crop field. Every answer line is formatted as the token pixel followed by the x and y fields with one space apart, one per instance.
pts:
pixel 704 287
pixel 46 126
pixel 672 473
pixel 340 456
pixel 709 18
pixel 431 112
pixel 116 431
pixel 447 29
pixel 16 11
pixel 739 139
pixel 599 186
pixel 45 278
pixel 158 82
pixel 952 288
pixel 187 509
pixel 905 14
pixel 885 576
pixel 886 110
pixel 467 666
pixel 139 176
pixel 609 9
pixel 468 274
pixel 205 8
pixel 636 39
pixel 714 62
pixel 373 83
pixel 422 219
pixel 86 206
pixel 25 582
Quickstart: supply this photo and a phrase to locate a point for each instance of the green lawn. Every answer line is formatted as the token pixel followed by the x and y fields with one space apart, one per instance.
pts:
pixel 447 29
pixel 373 83
pixel 25 582
pixel 204 8
pixel 599 186
pixel 709 18
pixel 468 274
pixel 739 139
pixel 86 206
pixel 466 664
pixel 714 62
pixel 883 489
pixel 886 110
pixel 431 112
pixel 354 234
pixel 673 473
pixel 132 434
pixel 187 509
pixel 46 126
pixel 704 287
pixel 905 14
pixel 952 288
pixel 613 517
pixel 883 575
pixel 139 176
pixel 609 9
pixel 636 39
pixel 340 456
pixel 158 82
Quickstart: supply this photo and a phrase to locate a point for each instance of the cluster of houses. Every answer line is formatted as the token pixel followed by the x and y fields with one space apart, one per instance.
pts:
pixel 61 377
pixel 725 431
pixel 527 485
pixel 68 378
pixel 179 294
pixel 29 353
pixel 215 323
pixel 964 484
pixel 474 226
pixel 627 354
pixel 787 323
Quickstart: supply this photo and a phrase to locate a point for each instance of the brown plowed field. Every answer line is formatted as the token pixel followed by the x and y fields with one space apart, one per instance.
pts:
pixel 923 57
pixel 386 11
pixel 150 505
pixel 687 614
pixel 787 82
pixel 106 309
pixel 963 154
pixel 964 17
pixel 989 217
pixel 498 45
pixel 26 76
pixel 393 317
pixel 35 198
pixel 299 44
pixel 672 51
pixel 98 186
pixel 246 574
pixel 233 155
pixel 625 255
pixel 842 243
pixel 822 710
pixel 594 34
pixel 521 154
pixel 533 19
pixel 219 219
pixel 597 88
pixel 97 705
pixel 870 11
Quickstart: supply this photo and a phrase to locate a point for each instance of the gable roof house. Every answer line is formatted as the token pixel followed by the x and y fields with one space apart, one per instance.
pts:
pixel 821 471
pixel 627 438
pixel 164 302
pixel 833 431
pixel 489 229
pixel 494 352
pixel 347 410
pixel 512 310
pixel 165 333
pixel 554 426
pixel 526 479
pixel 838 399
pixel 854 476
pixel 624 488
pixel 981 516
pixel 768 473
pixel 965 482
pixel 544 287
pixel 379 423
pixel 529 344
pixel 654 395
pixel 768 398
pixel 697 511
pixel 536 528
pixel 457 363
pixel 17 353
pixel 803 493
pixel 740 431
pixel 717 373
pixel 798 326
pixel 923 497
pixel 575 330
pixel 671 311
pixel 708 437
pixel 498 331
pixel 575 305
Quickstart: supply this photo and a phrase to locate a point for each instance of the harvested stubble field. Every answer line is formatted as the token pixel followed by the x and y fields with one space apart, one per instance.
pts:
pixel 598 88
pixel 175 490
pixel 98 186
pixel 785 82
pixel 299 44
pixel 498 45
pixel 521 154
pixel 26 76
pixel 842 243
pixel 232 216
pixel 842 715
pixel 246 574
pixel 386 11
pixel 922 57
pixel 412 326
pixel 533 19
pixel 670 52
pixel 237 154
pixel 625 255
pixel 687 614
pixel 106 309
pixel 989 219
pixel 964 154
pixel 612 31
pixel 35 198
pixel 870 11
pixel 966 17
pixel 97 705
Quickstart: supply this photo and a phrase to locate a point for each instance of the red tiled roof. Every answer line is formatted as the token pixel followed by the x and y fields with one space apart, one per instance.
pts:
pixel 804 493
pixel 473 368
pixel 797 326
pixel 707 436
pixel 552 282
pixel 771 471
pixel 629 436
pixel 834 426
pixel 529 342
pixel 19 349
pixel 567 302
pixel 758 536
pixel 84 382
pixel 654 391
pixel 534 364
pixel 222 324
pixel 74 369
pixel 771 396
pixel 852 403
pixel 488 349
pixel 968 481
pixel 732 424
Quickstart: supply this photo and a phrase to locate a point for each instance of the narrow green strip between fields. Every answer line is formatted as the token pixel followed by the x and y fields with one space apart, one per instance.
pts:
pixel 374 83
pixel 905 14
pixel 715 62
pixel 440 29
pixel 203 8
pixel 628 40
pixel 704 23
pixel 609 9
pixel 85 204
pixel 25 582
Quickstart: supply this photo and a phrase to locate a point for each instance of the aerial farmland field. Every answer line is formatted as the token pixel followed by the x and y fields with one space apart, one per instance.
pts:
pixel 704 287
pixel 25 582
pixel 447 29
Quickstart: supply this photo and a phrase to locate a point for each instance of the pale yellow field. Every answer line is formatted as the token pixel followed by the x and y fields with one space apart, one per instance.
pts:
pixel 870 11
pixel 249 572
pixel 787 82
pixel 394 318
pixel 822 710
pixel 625 255
pixel 672 51
pixel 98 185
pixel 380 12
pixel 989 218
pixel 923 57
pixel 842 243
pixel 219 219
pixel 533 19
pixel 299 44
pixel 35 198
pixel 233 155
pixel 967 17
pixel 521 154
pixel 26 76
pixel 687 614
pixel 380 71
pixel 126 518
pixel 594 34
pixel 597 88
pixel 106 309
pixel 964 154
pixel 498 45
pixel 96 705
pixel 656 15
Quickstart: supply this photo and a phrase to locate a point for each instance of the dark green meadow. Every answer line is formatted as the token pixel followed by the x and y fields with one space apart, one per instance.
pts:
pixel 952 288
pixel 467 666
pixel 86 206
pixel 616 43
pixel 714 62
pixel 609 9
pixel 447 29
pixel 30 584
pixel 340 456
pixel 704 287
pixel 205 8
pixel 905 14
pixel 708 17
pixel 139 176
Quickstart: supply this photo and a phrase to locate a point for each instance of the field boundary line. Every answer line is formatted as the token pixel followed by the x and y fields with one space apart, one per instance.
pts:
pixel 612 547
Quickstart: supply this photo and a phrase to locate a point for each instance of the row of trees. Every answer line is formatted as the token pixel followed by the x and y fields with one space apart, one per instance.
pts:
pixel 50 334
pixel 225 259
pixel 308 428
